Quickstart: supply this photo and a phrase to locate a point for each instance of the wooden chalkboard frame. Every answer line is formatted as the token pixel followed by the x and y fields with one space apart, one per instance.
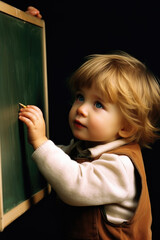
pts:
pixel 11 215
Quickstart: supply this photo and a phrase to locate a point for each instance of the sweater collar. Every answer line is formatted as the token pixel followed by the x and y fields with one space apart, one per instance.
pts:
pixel 96 151
pixel 99 149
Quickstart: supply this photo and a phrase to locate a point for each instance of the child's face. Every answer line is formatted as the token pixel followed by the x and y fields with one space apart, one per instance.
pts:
pixel 92 119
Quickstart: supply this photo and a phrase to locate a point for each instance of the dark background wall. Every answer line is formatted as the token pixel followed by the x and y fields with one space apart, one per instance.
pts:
pixel 75 29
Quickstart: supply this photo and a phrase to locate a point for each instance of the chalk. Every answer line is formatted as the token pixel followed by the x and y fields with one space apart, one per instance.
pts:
pixel 22 105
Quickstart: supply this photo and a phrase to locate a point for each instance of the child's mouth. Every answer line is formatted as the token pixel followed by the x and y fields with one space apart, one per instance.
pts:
pixel 78 124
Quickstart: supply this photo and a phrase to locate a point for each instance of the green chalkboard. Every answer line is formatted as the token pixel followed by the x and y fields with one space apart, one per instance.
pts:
pixel 21 80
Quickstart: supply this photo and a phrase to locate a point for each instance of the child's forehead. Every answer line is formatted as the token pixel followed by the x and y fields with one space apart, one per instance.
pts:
pixel 103 83
pixel 91 87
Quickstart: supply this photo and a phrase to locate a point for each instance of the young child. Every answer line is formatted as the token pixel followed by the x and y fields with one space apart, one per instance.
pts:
pixel 100 176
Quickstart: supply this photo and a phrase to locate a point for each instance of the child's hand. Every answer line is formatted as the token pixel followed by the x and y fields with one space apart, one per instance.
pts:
pixel 34 12
pixel 33 118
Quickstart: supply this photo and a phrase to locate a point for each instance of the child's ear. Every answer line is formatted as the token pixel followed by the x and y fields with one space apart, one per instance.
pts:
pixel 127 131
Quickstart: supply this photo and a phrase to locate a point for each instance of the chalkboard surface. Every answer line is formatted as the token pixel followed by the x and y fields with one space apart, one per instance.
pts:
pixel 21 80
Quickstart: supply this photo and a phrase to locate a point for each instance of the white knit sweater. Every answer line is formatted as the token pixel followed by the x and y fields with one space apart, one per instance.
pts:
pixel 108 181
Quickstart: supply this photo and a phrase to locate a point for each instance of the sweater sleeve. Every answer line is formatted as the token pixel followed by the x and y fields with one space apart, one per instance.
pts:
pixel 102 181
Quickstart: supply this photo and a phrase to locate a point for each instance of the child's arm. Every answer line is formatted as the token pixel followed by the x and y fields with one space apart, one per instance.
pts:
pixel 103 181
pixel 33 118
pixel 34 12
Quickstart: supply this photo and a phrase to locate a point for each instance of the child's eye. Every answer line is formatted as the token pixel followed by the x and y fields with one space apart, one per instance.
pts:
pixel 98 105
pixel 79 97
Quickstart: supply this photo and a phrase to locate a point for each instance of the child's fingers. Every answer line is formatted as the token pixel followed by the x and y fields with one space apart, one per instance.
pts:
pixel 30 115
pixel 34 11
pixel 32 109
pixel 35 108
pixel 26 120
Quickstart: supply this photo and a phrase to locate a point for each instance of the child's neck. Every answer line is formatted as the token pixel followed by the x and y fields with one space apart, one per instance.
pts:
pixel 90 144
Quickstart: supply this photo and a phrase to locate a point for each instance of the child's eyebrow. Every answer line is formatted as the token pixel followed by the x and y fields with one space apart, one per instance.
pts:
pixel 100 99
pixel 78 91
pixel 103 99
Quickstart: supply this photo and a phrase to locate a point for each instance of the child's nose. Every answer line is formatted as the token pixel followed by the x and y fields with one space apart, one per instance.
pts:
pixel 83 110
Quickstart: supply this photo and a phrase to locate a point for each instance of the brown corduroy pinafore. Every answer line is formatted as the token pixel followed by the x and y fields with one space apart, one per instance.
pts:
pixel 88 223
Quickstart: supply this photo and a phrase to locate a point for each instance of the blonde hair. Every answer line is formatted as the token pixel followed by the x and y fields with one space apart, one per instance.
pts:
pixel 125 81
